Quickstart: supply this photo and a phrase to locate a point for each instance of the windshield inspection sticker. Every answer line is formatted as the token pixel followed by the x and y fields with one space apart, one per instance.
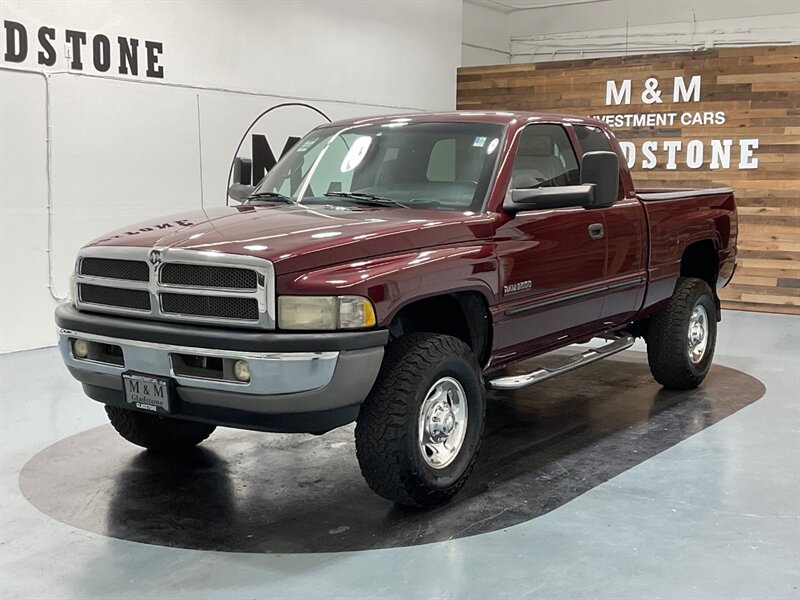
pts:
pixel 492 146
pixel 356 154
pixel 479 141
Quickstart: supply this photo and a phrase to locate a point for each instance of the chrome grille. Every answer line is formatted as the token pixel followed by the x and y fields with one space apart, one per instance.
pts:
pixel 241 309
pixel 174 284
pixel 114 268
pixel 113 296
pixel 208 276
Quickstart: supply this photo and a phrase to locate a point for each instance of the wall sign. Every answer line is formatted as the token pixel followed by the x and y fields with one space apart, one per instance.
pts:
pixel 271 134
pixel 695 153
pixel 82 51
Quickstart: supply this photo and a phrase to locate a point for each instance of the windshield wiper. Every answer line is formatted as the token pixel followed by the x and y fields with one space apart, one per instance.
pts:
pixel 270 196
pixel 367 198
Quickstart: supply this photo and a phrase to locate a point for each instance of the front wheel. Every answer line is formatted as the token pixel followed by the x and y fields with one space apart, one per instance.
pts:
pixel 418 432
pixel 681 337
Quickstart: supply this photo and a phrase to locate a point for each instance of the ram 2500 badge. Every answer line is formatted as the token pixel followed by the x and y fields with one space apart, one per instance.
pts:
pixel 385 271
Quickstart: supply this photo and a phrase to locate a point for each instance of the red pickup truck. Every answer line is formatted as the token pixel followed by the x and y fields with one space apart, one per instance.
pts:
pixel 384 272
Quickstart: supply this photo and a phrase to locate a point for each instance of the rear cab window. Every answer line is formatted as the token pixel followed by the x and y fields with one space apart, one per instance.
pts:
pixel 594 139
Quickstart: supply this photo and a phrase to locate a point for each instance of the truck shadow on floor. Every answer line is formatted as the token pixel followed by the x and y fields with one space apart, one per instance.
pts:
pixel 250 492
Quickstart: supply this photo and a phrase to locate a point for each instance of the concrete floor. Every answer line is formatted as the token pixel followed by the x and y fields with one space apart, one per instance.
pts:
pixel 713 515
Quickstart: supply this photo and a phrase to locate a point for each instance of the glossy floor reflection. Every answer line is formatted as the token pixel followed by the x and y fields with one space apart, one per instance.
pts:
pixel 251 492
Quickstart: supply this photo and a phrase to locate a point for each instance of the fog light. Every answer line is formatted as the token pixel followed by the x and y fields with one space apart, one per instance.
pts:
pixel 241 370
pixel 80 348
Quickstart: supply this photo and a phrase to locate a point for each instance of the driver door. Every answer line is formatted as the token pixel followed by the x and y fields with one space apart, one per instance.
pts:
pixel 552 262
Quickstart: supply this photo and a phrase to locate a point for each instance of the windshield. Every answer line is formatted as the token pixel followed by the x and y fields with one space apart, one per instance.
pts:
pixel 439 166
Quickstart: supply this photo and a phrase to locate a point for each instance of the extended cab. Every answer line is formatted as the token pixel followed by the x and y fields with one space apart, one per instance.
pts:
pixel 384 272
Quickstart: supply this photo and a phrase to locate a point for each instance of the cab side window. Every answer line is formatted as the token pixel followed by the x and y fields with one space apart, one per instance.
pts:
pixel 545 158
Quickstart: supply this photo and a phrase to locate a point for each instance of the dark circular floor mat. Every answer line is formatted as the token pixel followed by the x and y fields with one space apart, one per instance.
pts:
pixel 272 493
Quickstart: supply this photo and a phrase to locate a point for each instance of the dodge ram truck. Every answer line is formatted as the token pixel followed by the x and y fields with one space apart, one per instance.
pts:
pixel 385 271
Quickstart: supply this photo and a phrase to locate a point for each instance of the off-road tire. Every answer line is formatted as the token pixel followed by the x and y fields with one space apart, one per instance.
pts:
pixel 157 433
pixel 667 336
pixel 387 428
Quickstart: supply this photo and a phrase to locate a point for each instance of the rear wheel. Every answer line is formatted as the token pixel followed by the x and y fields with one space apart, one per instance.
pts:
pixel 157 433
pixel 681 338
pixel 418 432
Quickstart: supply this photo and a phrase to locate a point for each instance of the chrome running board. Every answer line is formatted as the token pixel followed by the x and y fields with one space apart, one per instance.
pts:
pixel 620 342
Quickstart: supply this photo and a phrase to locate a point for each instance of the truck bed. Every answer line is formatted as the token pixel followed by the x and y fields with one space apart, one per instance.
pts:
pixel 678 218
pixel 660 194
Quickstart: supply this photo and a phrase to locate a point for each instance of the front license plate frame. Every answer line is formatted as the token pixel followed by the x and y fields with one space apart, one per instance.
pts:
pixel 147 393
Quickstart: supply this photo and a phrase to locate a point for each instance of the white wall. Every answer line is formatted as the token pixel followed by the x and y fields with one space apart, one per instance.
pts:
pixel 485 39
pixel 123 148
pixel 540 30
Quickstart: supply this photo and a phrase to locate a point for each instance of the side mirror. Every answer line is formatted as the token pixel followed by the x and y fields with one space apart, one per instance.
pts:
pixel 601 169
pixel 239 191
pixel 241 181
pixel 549 197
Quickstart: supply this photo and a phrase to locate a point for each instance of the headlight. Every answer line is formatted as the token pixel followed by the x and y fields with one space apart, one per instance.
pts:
pixel 325 312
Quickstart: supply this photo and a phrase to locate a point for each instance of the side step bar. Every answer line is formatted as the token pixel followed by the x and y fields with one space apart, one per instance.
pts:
pixel 620 342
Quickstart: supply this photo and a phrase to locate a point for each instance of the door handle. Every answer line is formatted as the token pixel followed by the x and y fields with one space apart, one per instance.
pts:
pixel 596 231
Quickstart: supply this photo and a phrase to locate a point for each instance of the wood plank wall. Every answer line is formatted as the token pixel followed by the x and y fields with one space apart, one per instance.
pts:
pixel 758 89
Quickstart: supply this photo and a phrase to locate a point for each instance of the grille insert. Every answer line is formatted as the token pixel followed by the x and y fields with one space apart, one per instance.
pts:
pixel 177 284
pixel 242 309
pixel 208 276
pixel 117 297
pixel 113 268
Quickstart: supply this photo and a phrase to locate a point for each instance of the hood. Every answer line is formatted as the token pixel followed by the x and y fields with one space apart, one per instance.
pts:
pixel 298 238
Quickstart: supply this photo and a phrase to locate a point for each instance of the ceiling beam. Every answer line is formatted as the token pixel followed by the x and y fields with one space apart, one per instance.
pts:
pixel 509 7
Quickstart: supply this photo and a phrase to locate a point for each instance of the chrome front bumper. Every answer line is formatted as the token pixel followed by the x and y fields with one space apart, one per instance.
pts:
pixel 309 382
pixel 271 373
pixel 287 391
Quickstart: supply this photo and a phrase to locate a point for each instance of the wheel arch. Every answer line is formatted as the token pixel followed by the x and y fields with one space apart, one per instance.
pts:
pixel 700 259
pixel 463 314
